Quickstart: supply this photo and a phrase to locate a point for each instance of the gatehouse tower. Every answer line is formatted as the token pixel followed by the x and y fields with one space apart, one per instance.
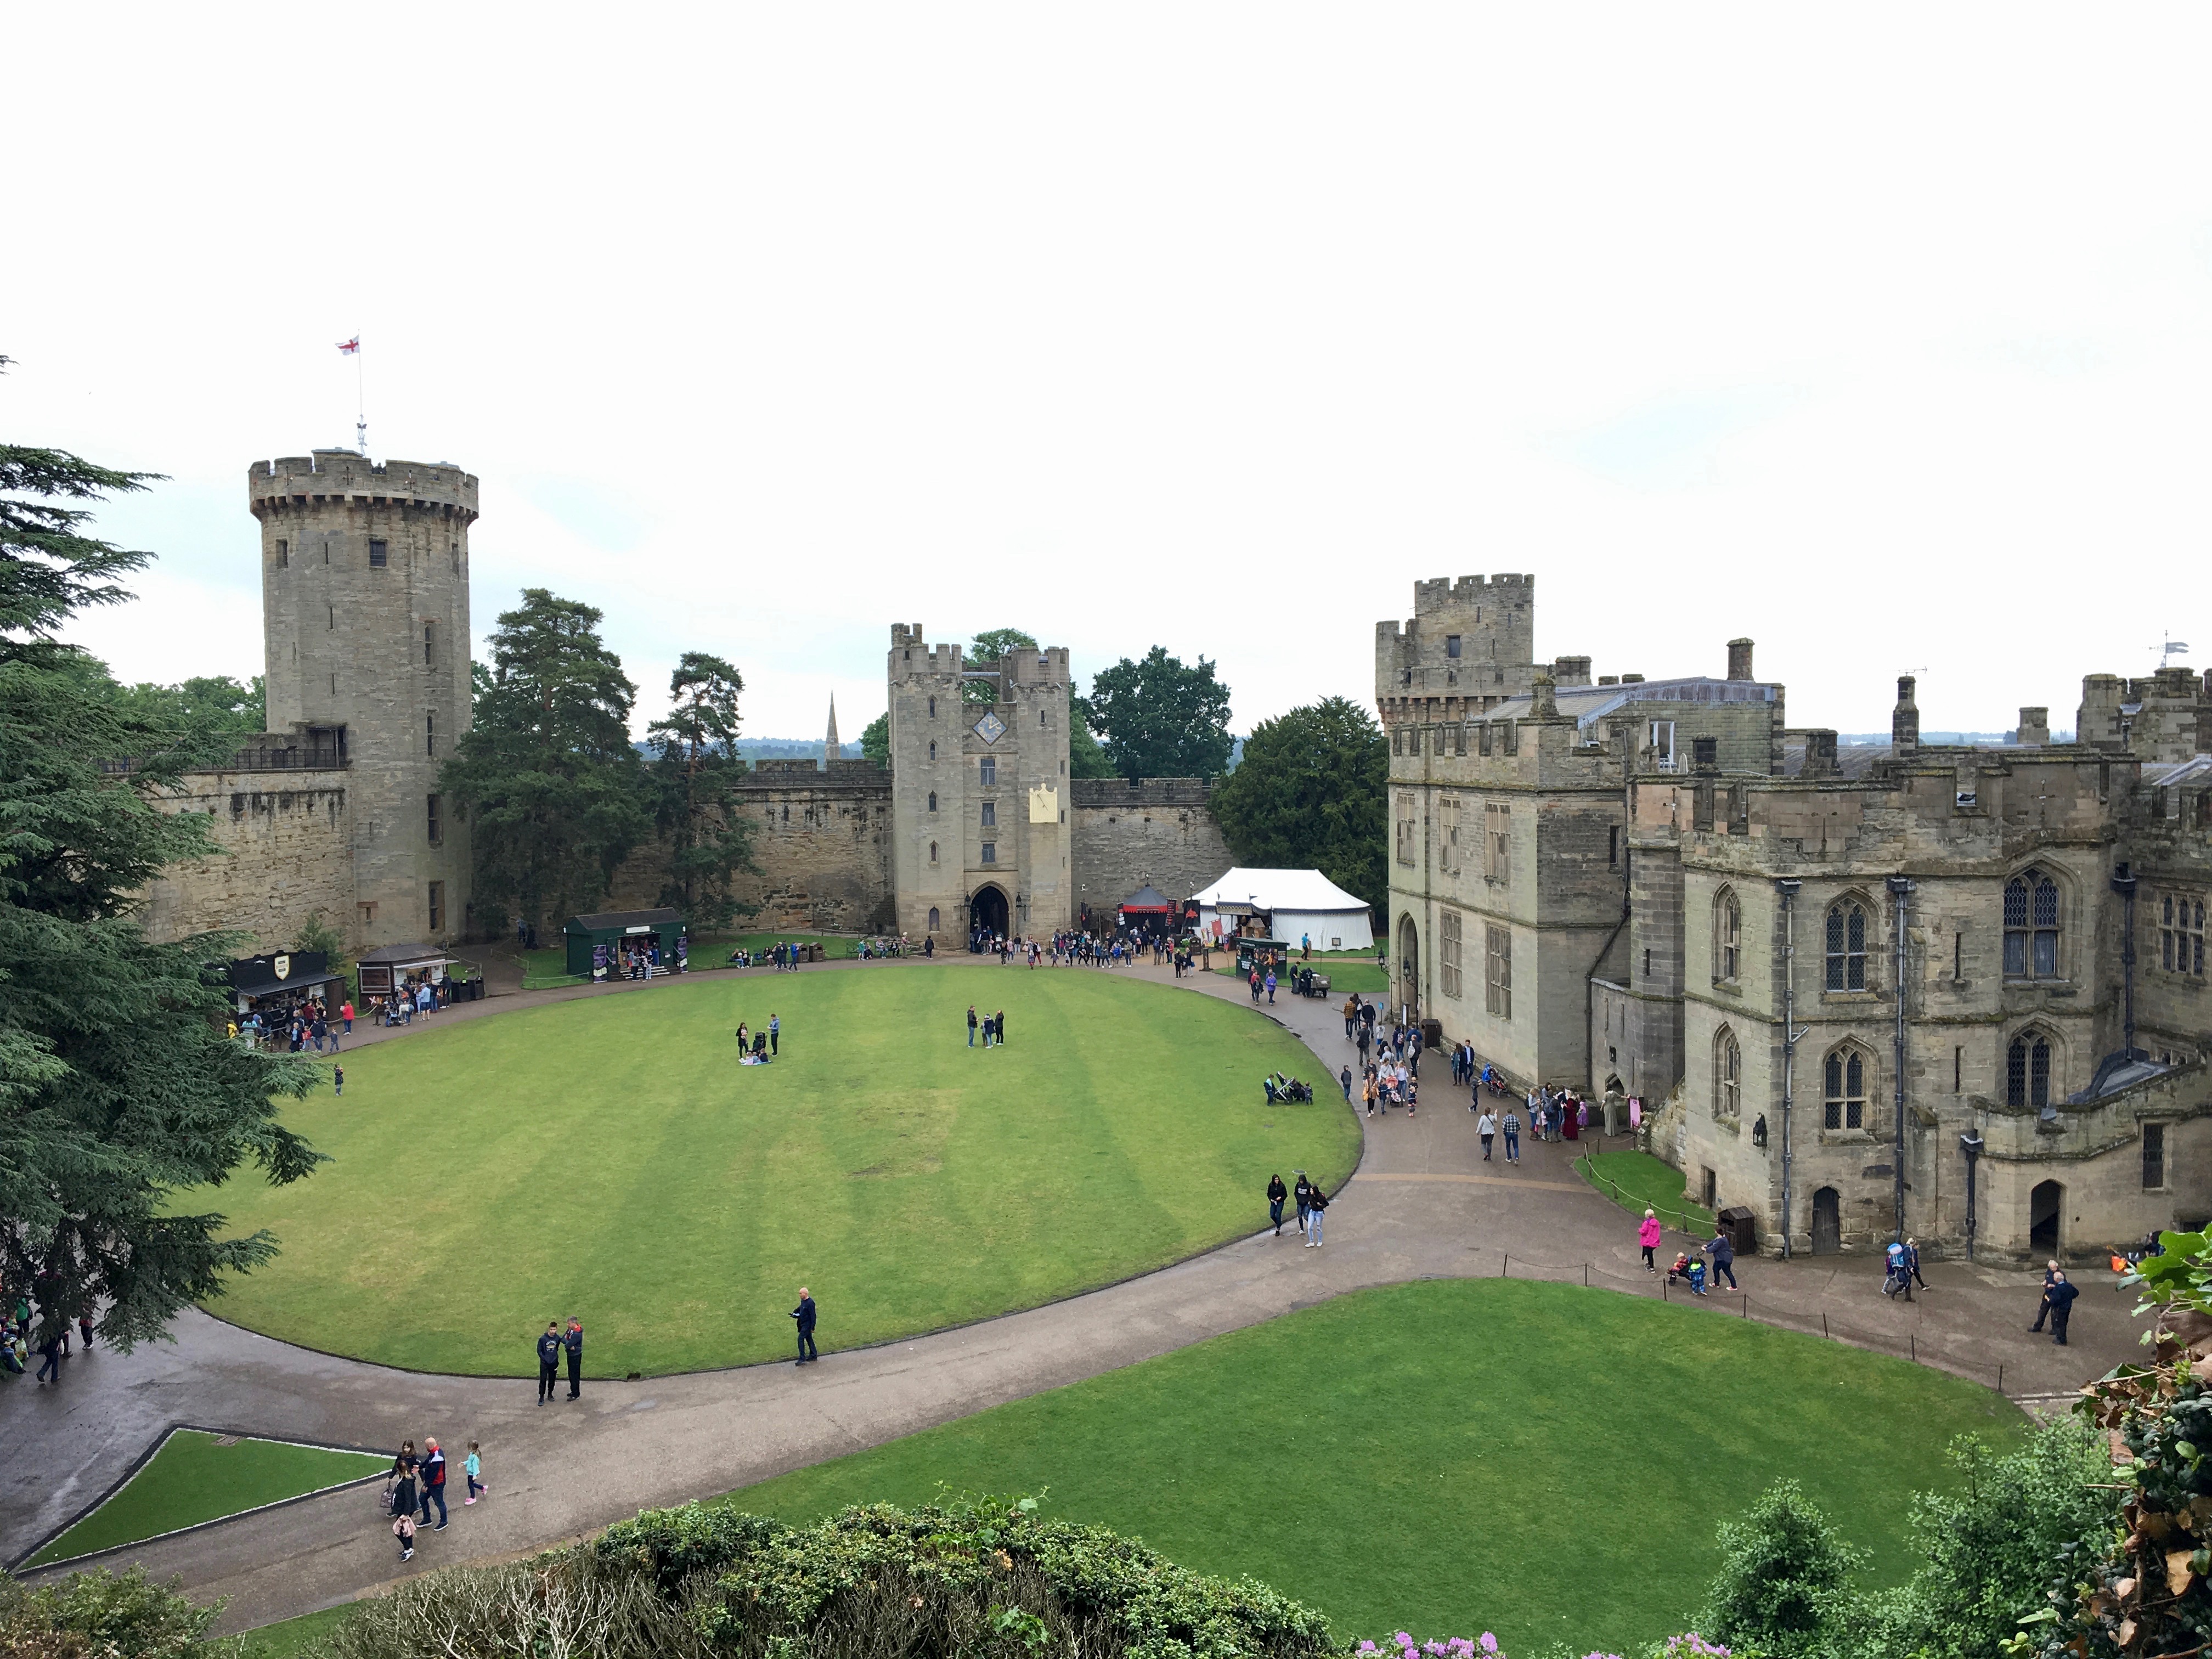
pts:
pixel 365 633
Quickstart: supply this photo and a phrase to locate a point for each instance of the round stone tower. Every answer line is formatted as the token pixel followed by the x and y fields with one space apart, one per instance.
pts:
pixel 365 625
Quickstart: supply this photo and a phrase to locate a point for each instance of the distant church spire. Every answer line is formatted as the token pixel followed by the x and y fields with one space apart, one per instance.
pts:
pixel 831 750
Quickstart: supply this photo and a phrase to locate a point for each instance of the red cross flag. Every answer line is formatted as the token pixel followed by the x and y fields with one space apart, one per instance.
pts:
pixel 350 346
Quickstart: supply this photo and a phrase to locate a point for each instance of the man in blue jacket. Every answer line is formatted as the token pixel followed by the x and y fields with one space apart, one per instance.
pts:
pixel 803 1312
pixel 2061 1298
pixel 548 1361
pixel 573 1342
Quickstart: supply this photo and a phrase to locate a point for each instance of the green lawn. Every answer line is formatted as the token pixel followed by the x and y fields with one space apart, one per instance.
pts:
pixel 1448 1457
pixel 194 1478
pixel 608 1158
pixel 1650 1183
pixel 290 1636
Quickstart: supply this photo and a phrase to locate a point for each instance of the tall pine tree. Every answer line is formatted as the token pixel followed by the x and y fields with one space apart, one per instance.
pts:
pixel 696 773
pixel 119 1089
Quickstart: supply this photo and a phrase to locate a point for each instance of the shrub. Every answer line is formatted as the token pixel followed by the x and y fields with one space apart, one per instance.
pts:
pixel 100 1615
pixel 1785 1576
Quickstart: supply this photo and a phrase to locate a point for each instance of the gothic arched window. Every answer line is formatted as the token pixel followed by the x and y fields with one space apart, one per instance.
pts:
pixel 2031 920
pixel 1847 946
pixel 2028 1071
pixel 1727 1075
pixel 933 852
pixel 1846 1089
pixel 933 751
pixel 1728 936
pixel 932 800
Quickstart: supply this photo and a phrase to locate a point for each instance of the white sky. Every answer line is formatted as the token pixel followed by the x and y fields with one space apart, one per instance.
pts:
pixel 1878 333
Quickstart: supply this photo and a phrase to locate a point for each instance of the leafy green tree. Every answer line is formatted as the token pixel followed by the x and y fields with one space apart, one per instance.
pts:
pixel 876 739
pixel 1160 718
pixel 1085 759
pixel 696 773
pixel 553 790
pixel 1987 1548
pixel 118 1087
pixel 213 706
pixel 990 645
pixel 1309 794
pixel 1785 1575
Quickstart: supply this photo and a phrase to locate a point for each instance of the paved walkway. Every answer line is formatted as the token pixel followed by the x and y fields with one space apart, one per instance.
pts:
pixel 1422 1204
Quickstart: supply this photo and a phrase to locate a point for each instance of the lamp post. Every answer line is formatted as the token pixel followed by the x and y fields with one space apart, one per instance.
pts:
pixel 1972 1147
pixel 1788 888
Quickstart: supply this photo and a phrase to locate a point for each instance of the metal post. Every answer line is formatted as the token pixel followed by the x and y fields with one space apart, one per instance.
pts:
pixel 1900 889
pixel 1788 889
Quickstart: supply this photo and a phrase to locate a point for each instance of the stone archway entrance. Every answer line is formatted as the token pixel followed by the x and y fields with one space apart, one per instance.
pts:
pixel 1827 1222
pixel 2045 1207
pixel 1409 967
pixel 988 913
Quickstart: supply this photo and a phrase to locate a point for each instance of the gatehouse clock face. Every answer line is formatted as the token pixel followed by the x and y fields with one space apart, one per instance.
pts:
pixel 990 728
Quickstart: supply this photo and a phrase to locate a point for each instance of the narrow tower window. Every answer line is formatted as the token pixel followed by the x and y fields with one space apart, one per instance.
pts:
pixel 379 555
pixel 283 555
pixel 437 906
pixel 430 734
pixel 429 642
pixel 333 610
pixel 437 827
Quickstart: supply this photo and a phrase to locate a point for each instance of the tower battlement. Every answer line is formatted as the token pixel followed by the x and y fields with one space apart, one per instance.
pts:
pixel 336 477
pixel 1442 591
pixel 1472 636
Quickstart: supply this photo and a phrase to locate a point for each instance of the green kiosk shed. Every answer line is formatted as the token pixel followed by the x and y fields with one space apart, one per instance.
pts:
pixel 598 943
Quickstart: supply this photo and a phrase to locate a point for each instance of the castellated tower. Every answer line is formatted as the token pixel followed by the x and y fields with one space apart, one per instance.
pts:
pixel 979 791
pixel 365 623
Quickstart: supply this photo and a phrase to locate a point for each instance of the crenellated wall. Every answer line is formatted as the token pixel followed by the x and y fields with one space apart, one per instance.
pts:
pixel 1158 832
pixel 287 857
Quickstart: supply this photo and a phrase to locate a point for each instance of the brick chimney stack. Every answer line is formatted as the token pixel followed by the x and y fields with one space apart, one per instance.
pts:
pixel 1740 659
pixel 1905 719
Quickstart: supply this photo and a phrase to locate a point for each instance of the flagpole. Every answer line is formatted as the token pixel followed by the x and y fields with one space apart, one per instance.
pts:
pixel 360 399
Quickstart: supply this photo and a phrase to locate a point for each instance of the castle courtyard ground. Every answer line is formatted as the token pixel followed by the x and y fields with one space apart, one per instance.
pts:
pixel 1421 1204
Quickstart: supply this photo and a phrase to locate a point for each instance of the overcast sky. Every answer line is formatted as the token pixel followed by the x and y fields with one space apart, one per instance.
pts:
pixel 1877 334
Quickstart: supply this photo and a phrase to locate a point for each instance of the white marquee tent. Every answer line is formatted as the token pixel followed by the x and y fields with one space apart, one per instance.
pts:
pixel 1293 904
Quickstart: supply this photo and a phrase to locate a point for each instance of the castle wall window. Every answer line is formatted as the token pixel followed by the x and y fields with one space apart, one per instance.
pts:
pixel 437 906
pixel 429 643
pixel 990 815
pixel 333 611
pixel 1451 646
pixel 2153 1151
pixel 1498 976
pixel 1728 936
pixel 2181 934
pixel 932 708
pixel 2028 1071
pixel 932 800
pixel 283 555
pixel 933 751
pixel 1406 825
pixel 1497 841
pixel 933 855
pixel 987 769
pixel 933 923
pixel 1448 937
pixel 2031 913
pixel 430 734
pixel 1448 810
pixel 1482 739
pixel 1847 946
pixel 1846 1072
pixel 1727 1075
pixel 990 852
pixel 379 555
pixel 437 827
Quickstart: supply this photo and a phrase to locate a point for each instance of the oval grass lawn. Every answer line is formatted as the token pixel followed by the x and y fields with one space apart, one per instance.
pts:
pixel 608 1158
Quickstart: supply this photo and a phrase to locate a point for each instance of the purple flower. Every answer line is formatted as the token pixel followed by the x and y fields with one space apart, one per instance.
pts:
pixel 1489 1642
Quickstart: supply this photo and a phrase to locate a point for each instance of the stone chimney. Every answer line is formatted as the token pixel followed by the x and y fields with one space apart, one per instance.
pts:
pixel 2097 720
pixel 2034 725
pixel 1820 754
pixel 1543 698
pixel 1905 719
pixel 1740 659
pixel 1571 671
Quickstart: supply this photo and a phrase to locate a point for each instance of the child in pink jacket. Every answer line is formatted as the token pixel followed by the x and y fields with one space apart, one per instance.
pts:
pixel 1647 1234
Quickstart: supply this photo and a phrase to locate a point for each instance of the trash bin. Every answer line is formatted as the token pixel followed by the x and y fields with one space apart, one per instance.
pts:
pixel 1743 1227
pixel 1432 1034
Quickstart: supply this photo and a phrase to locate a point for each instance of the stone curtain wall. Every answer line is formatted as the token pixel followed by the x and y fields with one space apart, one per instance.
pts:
pixel 1159 831
pixel 288 856
pixel 823 842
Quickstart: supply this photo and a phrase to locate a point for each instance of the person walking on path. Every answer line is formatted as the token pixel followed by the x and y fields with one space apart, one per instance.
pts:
pixel 403 1515
pixel 1722 1248
pixel 2043 1308
pixel 434 1484
pixel 805 1313
pixel 1344 1077
pixel 1912 1262
pixel 548 1361
pixel 1486 1127
pixel 1351 1014
pixel 1271 986
pixel 337 1079
pixel 474 1468
pixel 1304 1192
pixel 1316 1202
pixel 1512 1126
pixel 775 1026
pixel 1648 1233
pixel 345 1013
pixel 2061 1296
pixel 1255 985
pixel 972 1022
pixel 573 1340
pixel 1276 1194
pixel 50 1353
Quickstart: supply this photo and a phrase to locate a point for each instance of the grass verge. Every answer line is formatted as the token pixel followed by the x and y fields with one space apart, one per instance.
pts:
pixel 195 1476
pixel 1418 1457
pixel 1638 1182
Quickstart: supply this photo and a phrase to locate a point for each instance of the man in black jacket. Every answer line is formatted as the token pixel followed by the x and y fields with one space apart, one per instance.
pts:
pixel 573 1342
pixel 803 1312
pixel 1276 1194
pixel 2060 1296
pixel 548 1361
